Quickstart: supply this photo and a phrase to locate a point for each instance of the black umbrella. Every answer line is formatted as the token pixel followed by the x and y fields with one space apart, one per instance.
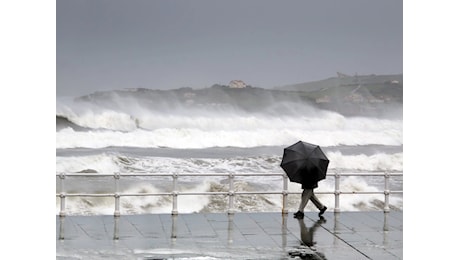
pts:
pixel 304 163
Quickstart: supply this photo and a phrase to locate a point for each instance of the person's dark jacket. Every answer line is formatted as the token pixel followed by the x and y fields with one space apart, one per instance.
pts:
pixel 309 182
pixel 309 185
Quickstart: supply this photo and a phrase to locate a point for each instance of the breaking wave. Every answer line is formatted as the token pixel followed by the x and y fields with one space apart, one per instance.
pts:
pixel 237 131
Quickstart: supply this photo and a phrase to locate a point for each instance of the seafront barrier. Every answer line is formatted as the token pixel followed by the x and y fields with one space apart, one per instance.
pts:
pixel 231 193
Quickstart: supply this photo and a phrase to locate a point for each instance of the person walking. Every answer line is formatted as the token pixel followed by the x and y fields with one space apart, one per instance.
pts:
pixel 306 164
pixel 308 194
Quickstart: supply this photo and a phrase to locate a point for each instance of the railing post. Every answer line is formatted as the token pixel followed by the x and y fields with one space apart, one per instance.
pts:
pixel 116 176
pixel 174 194
pixel 285 194
pixel 116 213
pixel 62 198
pixel 386 208
pixel 337 191
pixel 62 195
pixel 231 193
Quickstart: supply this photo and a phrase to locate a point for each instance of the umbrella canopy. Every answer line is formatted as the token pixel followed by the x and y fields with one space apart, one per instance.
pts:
pixel 304 163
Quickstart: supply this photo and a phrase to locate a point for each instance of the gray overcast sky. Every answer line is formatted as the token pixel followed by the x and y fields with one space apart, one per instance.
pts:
pixel 116 44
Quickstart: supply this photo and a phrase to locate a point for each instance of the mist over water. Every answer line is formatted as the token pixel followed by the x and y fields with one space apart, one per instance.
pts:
pixel 177 132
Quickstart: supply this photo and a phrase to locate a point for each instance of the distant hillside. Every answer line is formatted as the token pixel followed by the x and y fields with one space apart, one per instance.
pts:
pixel 250 99
pixel 352 96
pixel 345 80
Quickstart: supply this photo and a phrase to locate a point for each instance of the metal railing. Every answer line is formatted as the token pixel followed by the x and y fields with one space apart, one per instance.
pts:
pixel 231 193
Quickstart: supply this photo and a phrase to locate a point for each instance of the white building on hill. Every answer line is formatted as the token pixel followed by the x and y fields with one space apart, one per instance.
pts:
pixel 237 84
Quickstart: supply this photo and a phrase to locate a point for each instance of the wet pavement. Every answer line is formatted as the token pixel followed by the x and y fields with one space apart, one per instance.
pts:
pixel 345 235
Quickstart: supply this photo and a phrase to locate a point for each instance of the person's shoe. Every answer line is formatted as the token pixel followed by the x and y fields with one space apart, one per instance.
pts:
pixel 298 215
pixel 321 212
pixel 321 220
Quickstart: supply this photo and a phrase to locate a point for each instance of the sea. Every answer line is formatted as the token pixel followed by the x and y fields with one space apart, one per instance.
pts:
pixel 119 132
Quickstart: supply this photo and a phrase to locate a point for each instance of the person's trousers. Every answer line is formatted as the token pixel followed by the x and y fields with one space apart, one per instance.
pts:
pixel 307 195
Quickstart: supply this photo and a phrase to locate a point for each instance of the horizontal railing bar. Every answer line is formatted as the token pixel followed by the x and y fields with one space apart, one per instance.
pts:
pixel 365 192
pixel 352 192
pixel 165 174
pixel 171 174
pixel 203 193
pixel 87 195
pixel 211 174
pixel 367 174
pixel 213 193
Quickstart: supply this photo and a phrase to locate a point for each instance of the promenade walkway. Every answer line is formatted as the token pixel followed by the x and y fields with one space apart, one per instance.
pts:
pixel 345 235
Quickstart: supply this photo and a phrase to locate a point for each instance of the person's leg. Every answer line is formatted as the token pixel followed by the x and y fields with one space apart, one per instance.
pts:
pixel 318 204
pixel 316 201
pixel 306 195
